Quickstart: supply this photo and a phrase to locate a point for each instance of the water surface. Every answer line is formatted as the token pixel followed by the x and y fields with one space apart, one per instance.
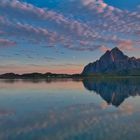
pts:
pixel 89 109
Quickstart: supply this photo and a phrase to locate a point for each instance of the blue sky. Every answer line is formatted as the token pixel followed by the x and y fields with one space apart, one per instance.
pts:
pixel 63 36
pixel 124 4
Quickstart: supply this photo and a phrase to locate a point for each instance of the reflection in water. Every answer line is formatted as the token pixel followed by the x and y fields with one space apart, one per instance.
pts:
pixel 113 91
pixel 48 80
pixel 60 110
pixel 75 122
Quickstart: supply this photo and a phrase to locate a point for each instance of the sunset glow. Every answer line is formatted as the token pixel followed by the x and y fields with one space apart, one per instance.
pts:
pixel 62 36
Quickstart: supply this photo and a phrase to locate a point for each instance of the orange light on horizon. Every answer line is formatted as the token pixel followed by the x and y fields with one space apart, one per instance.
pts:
pixel 42 69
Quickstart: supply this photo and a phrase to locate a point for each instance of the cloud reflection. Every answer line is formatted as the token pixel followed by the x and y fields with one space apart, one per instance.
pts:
pixel 84 121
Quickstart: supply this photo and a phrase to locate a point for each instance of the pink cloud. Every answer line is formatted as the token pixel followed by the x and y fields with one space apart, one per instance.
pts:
pixel 104 48
pixel 7 43
pixel 110 26
pixel 71 25
pixel 126 45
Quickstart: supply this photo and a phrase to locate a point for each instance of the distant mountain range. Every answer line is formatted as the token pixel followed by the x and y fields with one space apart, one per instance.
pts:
pixel 113 62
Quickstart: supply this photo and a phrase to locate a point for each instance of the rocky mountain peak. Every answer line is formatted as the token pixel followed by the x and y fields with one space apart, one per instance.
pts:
pixel 113 55
pixel 112 61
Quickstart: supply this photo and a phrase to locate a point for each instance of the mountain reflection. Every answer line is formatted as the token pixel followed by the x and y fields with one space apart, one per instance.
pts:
pixel 114 91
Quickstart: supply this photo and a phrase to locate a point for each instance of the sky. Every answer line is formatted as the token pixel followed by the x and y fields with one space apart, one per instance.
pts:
pixel 62 36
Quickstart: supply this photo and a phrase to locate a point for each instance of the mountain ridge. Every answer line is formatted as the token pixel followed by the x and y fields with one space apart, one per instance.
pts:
pixel 113 61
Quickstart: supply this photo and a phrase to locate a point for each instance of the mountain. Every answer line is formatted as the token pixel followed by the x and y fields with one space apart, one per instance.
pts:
pixel 113 62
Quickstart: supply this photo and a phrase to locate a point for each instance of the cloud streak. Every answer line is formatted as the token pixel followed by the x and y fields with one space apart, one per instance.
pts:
pixel 77 31
pixel 7 43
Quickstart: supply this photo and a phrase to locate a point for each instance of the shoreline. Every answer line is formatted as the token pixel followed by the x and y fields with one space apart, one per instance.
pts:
pixel 72 77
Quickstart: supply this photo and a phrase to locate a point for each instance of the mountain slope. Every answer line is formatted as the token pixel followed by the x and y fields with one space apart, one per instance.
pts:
pixel 113 62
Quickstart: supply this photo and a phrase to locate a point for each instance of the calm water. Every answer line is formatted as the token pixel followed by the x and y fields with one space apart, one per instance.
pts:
pixel 92 109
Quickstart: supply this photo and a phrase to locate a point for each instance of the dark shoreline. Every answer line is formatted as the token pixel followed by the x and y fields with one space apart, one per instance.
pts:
pixel 39 76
